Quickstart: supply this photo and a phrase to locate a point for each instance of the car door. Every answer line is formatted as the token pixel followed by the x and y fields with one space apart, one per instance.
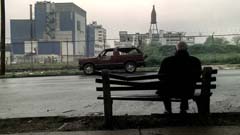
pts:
pixel 105 59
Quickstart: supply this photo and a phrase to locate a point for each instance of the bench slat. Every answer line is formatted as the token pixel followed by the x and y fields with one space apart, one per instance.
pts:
pixel 127 88
pixel 119 82
pixel 146 87
pixel 141 77
pixel 144 77
pixel 214 71
pixel 135 84
pixel 140 98
pixel 131 78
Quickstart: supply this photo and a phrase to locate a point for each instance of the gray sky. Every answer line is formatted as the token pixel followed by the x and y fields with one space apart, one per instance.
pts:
pixel 191 16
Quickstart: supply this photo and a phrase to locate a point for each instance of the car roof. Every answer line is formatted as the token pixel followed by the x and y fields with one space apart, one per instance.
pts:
pixel 122 49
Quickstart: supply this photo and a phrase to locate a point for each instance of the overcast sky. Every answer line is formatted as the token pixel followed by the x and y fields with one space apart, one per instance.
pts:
pixel 191 16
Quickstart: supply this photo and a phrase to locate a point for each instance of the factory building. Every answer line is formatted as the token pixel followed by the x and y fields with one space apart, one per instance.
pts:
pixel 57 32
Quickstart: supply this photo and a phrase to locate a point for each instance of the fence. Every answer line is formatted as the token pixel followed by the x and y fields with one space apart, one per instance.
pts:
pixel 67 53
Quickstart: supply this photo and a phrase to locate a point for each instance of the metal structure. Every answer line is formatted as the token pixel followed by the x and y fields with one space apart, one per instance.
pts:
pixel 50 21
pixel 153 31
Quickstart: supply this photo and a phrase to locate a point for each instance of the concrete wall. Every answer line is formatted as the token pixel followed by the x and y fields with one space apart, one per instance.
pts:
pixel 79 34
pixel 7 57
pixel 69 25
pixel 20 31
pixel 49 48
pixel 66 21
pixel 90 41
pixel 30 46
pixel 100 35
pixel 40 18
pixel 67 48
pixel 75 17
pixel 96 35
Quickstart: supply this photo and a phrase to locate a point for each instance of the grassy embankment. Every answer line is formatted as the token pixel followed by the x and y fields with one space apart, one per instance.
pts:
pixel 228 55
pixel 36 70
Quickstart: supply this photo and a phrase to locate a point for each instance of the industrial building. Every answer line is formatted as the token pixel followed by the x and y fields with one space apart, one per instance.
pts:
pixel 154 35
pixel 58 32
pixel 165 38
pixel 173 38
pixel 96 39
pixel 129 40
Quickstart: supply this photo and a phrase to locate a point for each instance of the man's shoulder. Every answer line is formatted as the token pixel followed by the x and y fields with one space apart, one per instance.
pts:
pixel 194 58
pixel 169 58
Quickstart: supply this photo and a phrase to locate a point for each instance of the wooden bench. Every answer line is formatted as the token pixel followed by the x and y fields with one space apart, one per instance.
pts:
pixel 113 82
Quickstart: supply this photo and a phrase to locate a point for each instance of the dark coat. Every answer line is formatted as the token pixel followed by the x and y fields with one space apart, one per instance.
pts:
pixel 183 71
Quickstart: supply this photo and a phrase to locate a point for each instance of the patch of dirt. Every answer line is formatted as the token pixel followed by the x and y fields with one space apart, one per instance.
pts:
pixel 44 124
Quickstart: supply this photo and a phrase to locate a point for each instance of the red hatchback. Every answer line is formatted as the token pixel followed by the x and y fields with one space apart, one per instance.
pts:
pixel 113 58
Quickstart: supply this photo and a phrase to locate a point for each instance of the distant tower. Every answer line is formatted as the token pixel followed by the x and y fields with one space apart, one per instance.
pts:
pixel 153 31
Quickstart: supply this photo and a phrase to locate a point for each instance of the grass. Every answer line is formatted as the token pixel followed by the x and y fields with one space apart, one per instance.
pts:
pixel 228 58
pixel 41 67
pixel 66 72
pixel 218 54
pixel 41 73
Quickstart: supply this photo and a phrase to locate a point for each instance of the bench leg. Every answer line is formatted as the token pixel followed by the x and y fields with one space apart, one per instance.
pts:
pixel 107 99
pixel 108 113
pixel 203 105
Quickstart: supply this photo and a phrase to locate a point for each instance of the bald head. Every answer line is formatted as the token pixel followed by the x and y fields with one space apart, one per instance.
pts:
pixel 181 46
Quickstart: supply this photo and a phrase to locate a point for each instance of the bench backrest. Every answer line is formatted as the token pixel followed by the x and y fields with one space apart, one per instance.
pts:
pixel 114 82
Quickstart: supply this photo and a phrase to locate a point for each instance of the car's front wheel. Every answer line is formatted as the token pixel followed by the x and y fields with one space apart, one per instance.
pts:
pixel 130 67
pixel 88 69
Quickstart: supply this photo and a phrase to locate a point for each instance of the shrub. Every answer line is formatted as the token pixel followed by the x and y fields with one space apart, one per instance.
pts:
pixel 217 54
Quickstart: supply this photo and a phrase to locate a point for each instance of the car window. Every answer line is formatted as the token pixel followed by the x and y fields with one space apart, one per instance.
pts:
pixel 108 53
pixel 133 52
pixel 129 51
pixel 123 53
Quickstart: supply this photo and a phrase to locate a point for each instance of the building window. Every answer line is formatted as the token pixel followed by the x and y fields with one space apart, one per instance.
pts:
pixel 78 26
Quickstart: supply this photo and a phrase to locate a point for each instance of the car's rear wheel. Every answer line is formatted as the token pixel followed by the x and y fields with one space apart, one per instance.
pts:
pixel 130 67
pixel 88 69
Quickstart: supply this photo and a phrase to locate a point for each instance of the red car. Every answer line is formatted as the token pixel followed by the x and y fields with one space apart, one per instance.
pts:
pixel 113 58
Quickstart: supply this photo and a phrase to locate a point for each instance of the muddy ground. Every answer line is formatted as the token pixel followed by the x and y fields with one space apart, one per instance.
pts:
pixel 50 124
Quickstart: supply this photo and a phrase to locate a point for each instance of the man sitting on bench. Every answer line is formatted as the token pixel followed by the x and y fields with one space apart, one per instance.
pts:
pixel 183 71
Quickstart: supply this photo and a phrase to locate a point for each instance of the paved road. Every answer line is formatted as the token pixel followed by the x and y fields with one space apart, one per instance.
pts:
pixel 46 96
pixel 76 96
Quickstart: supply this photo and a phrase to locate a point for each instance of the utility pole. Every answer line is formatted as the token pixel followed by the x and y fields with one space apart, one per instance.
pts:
pixel 104 43
pixel 31 36
pixel 140 46
pixel 3 34
pixel 61 53
pixel 67 52
pixel 213 39
pixel 213 43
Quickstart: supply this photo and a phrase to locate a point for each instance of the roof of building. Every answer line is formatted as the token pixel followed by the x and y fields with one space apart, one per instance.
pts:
pixel 70 7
